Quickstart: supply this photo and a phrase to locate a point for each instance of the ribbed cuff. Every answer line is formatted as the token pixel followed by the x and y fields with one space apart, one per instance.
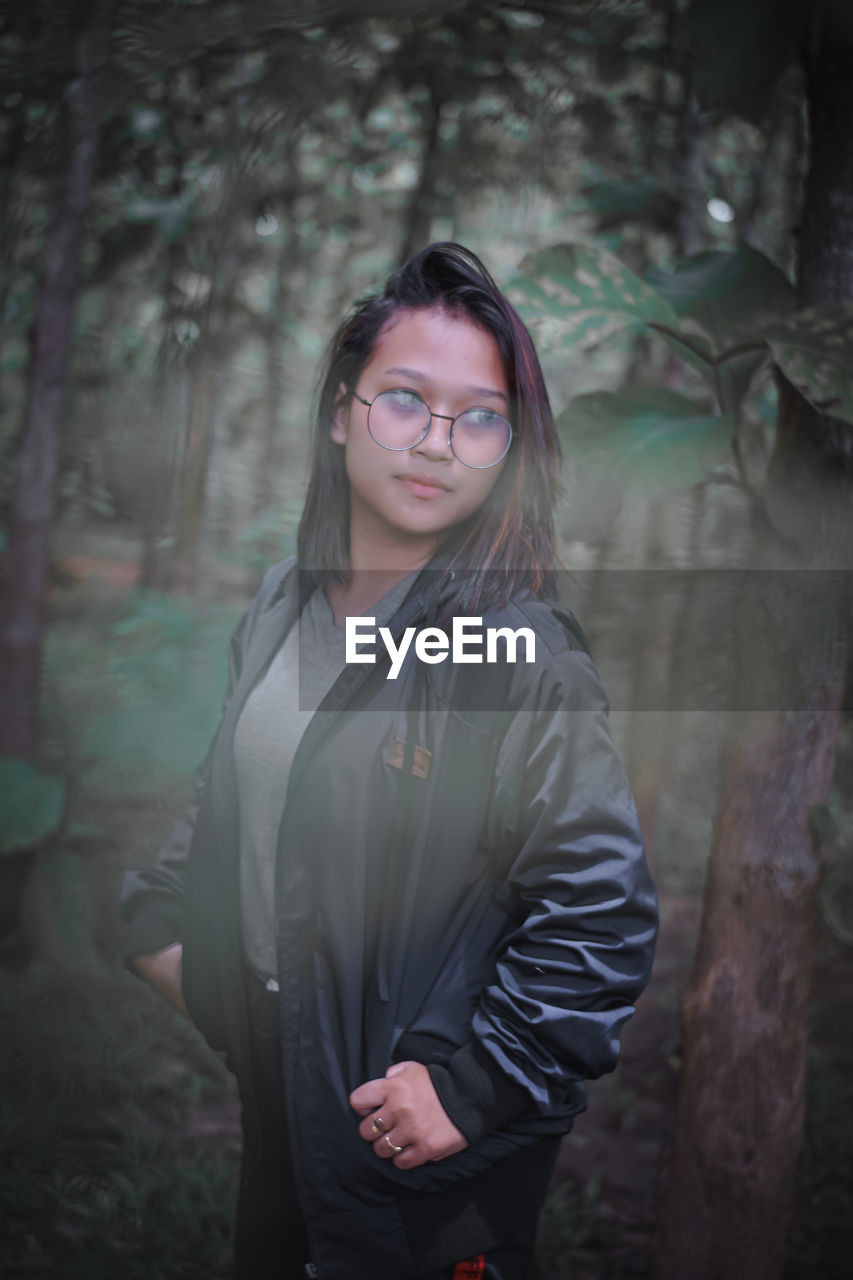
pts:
pixel 151 928
pixel 475 1093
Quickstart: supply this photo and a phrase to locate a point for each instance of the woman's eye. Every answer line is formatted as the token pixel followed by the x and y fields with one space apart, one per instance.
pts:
pixel 483 418
pixel 399 398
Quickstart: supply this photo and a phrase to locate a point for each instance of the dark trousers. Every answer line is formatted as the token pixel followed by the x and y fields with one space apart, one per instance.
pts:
pixel 270 1241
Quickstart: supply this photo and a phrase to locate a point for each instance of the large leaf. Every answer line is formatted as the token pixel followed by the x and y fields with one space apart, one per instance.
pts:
pixel 650 442
pixel 724 302
pixel 738 51
pixel 31 805
pixel 724 299
pixel 587 292
pixel 814 350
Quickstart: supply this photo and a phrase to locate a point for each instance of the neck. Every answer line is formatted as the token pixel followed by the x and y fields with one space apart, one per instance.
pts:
pixel 376 565
pixel 382 553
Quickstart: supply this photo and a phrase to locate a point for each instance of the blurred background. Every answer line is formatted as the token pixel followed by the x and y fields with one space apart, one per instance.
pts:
pixel 193 193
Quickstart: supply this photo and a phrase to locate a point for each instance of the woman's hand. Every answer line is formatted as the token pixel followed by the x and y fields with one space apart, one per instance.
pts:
pixel 162 970
pixel 403 1110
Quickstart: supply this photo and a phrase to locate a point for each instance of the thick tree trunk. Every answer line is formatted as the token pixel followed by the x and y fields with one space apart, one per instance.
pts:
pixel 32 510
pixel 744 1018
pixel 740 1106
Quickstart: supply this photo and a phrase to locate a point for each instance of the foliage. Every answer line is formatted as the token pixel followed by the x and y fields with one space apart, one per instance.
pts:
pixel 31 805
pixel 724 302
pixel 725 36
pixel 813 350
pixel 132 700
pixel 720 311
pixel 99 1176
pixel 588 292
pixel 740 51
pixel 270 536
pixel 653 440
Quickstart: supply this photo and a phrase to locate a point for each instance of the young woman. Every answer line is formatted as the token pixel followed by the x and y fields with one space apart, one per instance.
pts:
pixel 412 902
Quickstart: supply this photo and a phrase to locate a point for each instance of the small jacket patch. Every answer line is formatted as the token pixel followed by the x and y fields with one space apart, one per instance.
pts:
pixel 471 1269
pixel 420 768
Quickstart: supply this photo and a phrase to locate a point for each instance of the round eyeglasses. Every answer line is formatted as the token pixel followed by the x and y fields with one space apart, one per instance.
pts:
pixel 399 419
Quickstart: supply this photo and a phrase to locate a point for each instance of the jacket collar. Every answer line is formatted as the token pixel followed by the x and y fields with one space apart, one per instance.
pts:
pixel 424 591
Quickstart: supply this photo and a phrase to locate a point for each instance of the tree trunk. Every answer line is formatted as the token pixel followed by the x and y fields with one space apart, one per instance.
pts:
pixel 419 220
pixel 10 217
pixel 159 512
pixel 649 724
pixel 270 456
pixel 654 151
pixel 33 505
pixel 763 224
pixel 691 219
pixel 744 1018
pixel 194 534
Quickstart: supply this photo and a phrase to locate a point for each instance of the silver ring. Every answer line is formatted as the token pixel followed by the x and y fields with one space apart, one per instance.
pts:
pixel 377 1124
pixel 392 1146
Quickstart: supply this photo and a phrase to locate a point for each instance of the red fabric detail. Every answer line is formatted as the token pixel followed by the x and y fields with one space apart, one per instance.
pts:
pixel 470 1269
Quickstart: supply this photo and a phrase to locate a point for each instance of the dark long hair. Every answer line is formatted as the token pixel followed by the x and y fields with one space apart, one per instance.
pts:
pixel 511 534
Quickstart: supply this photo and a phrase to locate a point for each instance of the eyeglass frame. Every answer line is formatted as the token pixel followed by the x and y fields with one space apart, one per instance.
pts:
pixel 404 448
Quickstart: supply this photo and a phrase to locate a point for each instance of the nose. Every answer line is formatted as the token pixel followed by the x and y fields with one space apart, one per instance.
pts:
pixel 436 442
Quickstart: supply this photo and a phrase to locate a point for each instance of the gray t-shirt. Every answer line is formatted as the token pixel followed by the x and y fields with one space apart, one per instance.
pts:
pixel 270 727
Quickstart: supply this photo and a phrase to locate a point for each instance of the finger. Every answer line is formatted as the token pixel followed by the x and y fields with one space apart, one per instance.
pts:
pixel 367 1097
pixel 410 1157
pixel 374 1125
pixel 397 1068
pixel 389 1146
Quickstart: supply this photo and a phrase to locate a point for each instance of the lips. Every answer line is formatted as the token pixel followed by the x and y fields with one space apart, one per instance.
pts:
pixel 423 485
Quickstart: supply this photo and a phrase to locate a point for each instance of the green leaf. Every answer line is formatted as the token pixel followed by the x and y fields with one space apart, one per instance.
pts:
pixel 814 350
pixel 31 804
pixel 738 51
pixel 650 442
pixel 587 291
pixel 724 301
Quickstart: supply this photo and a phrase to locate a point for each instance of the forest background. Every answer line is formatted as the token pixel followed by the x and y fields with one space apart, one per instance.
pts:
pixel 192 194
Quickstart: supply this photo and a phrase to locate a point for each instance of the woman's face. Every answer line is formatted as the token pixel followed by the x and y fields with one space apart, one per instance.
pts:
pixel 416 495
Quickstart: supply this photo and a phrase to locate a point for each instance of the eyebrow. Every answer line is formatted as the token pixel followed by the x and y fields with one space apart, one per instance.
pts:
pixel 421 377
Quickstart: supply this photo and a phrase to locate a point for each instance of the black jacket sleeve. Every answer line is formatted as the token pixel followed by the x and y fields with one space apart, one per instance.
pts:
pixel 570 970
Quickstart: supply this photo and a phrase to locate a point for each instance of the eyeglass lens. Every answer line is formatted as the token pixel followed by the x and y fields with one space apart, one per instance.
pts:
pixel 400 419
